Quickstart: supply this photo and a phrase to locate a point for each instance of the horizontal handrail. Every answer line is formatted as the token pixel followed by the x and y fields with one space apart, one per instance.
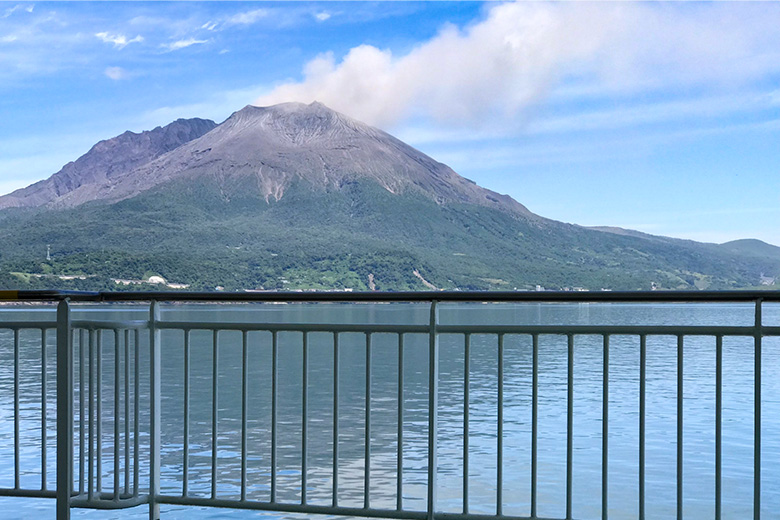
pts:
pixel 731 296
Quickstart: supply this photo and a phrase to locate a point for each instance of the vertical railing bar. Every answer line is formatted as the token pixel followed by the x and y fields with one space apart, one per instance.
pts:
pixel 71 377
pixel 117 414
pixel 136 411
pixel 605 434
pixel 335 501
pixel 17 444
pixel 680 427
pixel 91 450
pixel 304 416
pixel 82 422
pixel 127 410
pixel 186 404
pixel 44 384
pixel 274 402
pixel 757 412
pixel 433 407
pixel 155 375
pixel 534 423
pixel 569 425
pixel 500 429
pixel 214 411
pixel 367 446
pixel 718 424
pixel 642 416
pixel 244 406
pixel 466 403
pixel 64 482
pixel 399 458
pixel 99 414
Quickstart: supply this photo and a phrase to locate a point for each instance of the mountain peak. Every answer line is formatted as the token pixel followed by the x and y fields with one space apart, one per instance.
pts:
pixel 297 123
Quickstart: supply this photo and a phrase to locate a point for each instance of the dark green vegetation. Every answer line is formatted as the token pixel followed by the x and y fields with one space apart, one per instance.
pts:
pixel 187 232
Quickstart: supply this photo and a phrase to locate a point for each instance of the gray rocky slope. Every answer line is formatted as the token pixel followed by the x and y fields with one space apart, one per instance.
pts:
pixel 268 148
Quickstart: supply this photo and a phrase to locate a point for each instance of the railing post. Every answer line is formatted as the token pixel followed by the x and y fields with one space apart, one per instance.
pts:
pixel 154 415
pixel 759 323
pixel 433 405
pixel 64 411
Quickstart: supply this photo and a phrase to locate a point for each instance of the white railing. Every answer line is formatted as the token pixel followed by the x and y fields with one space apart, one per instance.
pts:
pixel 109 442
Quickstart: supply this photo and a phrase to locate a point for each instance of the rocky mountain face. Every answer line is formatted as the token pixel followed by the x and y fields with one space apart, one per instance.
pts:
pixel 106 162
pixel 263 149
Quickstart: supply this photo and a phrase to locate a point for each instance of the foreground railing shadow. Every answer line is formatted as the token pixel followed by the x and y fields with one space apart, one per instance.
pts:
pixel 109 383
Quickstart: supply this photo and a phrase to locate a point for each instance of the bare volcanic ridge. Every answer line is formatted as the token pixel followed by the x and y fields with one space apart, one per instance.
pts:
pixel 106 162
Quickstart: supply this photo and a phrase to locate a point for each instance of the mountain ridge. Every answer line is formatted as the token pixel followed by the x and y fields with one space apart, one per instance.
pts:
pixel 106 160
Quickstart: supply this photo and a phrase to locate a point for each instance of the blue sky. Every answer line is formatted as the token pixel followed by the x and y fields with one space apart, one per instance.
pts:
pixel 661 117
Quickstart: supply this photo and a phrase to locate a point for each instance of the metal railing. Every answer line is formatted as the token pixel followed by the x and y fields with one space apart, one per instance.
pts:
pixel 128 353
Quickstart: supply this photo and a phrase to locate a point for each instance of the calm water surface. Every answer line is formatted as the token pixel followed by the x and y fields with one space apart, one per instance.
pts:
pixel 699 411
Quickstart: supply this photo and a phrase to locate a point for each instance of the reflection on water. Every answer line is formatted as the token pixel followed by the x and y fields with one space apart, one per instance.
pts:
pixel 699 411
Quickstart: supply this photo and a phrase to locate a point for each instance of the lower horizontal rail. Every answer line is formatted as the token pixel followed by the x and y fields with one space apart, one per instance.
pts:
pixel 27 493
pixel 295 508
pixel 107 501
pixel 329 510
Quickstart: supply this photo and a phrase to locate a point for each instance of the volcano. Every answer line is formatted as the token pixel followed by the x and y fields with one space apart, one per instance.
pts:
pixel 297 196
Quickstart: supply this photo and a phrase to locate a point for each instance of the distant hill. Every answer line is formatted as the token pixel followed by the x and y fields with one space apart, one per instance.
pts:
pixel 298 196
pixel 752 247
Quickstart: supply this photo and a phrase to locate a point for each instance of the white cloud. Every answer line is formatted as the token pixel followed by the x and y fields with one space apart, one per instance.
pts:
pixel 8 38
pixel 248 17
pixel 322 16
pixel 115 73
pixel 182 44
pixel 494 71
pixel 209 26
pixel 119 41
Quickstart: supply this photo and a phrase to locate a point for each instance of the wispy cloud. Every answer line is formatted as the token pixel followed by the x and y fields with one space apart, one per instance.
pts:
pixel 652 113
pixel 247 17
pixel 183 44
pixel 322 16
pixel 120 41
pixel 499 69
pixel 8 38
pixel 18 8
pixel 115 73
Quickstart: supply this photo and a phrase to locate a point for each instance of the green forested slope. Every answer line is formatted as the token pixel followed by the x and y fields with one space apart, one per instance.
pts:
pixel 189 232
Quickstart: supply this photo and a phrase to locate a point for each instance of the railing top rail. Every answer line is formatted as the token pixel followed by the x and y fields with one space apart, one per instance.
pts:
pixel 381 297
